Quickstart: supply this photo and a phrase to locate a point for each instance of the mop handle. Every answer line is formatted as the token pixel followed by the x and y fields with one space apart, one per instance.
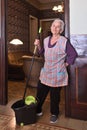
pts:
pixel 28 78
pixel 32 62
pixel 35 49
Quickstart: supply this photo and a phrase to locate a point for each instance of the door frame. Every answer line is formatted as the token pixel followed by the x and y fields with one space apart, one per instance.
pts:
pixel 4 54
pixel 67 18
pixel 67 34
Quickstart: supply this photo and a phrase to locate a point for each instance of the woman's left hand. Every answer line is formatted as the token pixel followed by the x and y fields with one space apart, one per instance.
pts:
pixel 66 64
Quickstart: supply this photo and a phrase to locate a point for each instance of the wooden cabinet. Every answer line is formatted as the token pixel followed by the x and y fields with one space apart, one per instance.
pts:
pixel 77 96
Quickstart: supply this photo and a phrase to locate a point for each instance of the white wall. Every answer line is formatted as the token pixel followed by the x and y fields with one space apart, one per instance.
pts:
pixel 78 16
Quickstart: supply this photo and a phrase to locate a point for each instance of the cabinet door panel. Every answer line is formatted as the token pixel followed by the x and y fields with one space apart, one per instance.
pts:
pixel 82 84
pixel 78 89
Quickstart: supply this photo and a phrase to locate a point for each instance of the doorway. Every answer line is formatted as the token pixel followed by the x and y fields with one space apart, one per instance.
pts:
pixel 4 92
pixel 33 29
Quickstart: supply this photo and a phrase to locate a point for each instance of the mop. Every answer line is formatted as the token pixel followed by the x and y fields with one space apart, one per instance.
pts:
pixel 25 111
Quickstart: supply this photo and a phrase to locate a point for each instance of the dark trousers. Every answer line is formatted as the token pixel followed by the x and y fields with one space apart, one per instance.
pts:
pixel 42 91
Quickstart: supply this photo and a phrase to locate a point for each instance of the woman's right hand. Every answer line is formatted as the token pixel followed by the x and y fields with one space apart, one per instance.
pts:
pixel 37 42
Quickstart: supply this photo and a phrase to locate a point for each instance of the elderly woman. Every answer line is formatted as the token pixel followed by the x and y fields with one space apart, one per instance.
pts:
pixel 58 54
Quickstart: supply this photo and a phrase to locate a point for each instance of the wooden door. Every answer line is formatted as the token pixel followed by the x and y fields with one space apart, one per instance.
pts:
pixel 45 25
pixel 33 31
pixel 3 53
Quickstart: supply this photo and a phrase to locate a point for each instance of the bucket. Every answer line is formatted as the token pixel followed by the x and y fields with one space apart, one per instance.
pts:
pixel 24 114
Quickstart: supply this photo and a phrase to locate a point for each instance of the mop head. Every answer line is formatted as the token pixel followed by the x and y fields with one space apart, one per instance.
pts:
pixel 29 100
pixel 40 29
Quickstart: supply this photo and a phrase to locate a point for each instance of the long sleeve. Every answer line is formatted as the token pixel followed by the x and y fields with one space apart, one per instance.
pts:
pixel 71 53
pixel 41 52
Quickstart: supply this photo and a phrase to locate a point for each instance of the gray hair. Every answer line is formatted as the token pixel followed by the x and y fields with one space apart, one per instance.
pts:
pixel 61 22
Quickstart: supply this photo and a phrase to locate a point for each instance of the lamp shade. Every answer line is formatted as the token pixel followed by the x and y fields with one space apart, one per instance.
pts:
pixel 16 42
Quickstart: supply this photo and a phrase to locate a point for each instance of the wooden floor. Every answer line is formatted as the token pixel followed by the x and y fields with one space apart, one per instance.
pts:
pixel 15 92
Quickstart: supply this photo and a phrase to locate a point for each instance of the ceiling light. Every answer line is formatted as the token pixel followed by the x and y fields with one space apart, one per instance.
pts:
pixel 55 8
pixel 59 8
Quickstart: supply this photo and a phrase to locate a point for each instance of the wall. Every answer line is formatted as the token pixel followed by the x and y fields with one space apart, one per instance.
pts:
pixel 78 19
pixel 18 23
pixel 78 25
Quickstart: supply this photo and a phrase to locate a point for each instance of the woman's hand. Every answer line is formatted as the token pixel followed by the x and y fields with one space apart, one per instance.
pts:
pixel 66 64
pixel 37 43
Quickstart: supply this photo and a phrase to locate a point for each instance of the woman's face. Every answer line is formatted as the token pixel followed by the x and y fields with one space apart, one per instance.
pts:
pixel 56 28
